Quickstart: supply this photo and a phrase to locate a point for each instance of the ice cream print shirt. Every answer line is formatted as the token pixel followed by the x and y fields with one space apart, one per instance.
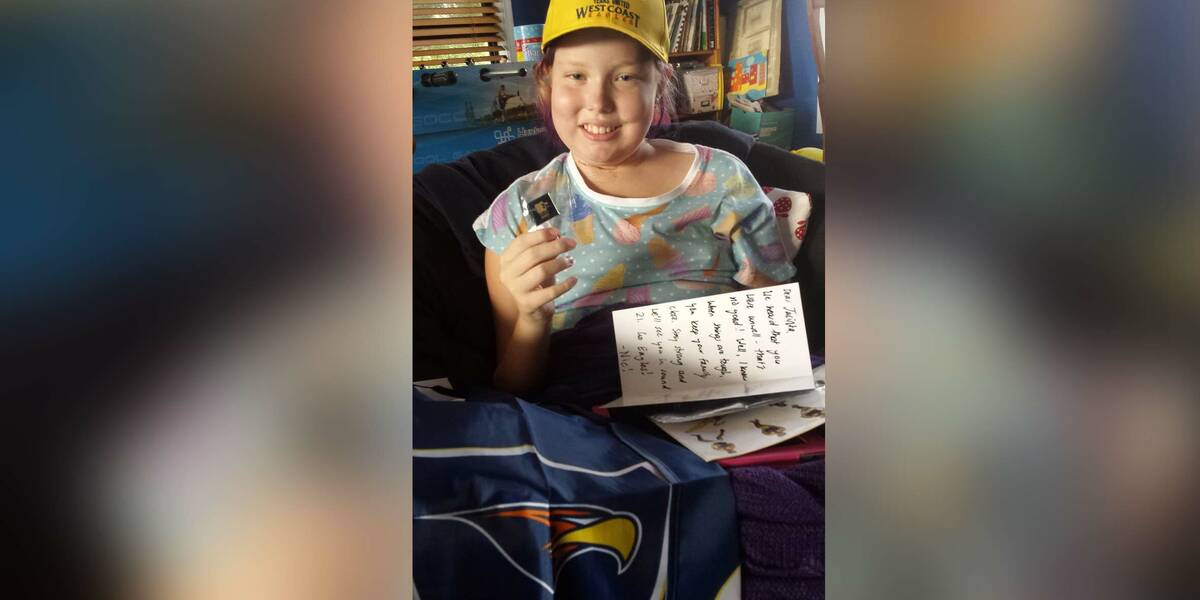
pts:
pixel 712 231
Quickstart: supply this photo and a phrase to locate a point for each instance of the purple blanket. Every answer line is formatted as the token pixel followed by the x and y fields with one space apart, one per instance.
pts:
pixel 781 515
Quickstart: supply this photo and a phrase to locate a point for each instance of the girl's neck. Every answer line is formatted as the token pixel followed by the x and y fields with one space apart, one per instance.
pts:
pixel 613 179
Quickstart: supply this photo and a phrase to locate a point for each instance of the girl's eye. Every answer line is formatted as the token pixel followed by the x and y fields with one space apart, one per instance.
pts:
pixel 625 77
pixel 575 76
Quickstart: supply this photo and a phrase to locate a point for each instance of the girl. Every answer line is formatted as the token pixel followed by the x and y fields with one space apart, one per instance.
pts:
pixel 640 220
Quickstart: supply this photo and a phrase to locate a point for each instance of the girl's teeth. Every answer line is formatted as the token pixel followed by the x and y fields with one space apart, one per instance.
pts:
pixel 598 130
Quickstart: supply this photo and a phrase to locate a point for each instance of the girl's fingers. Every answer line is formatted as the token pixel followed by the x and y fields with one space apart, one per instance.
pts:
pixel 540 274
pixel 547 295
pixel 540 254
pixel 527 240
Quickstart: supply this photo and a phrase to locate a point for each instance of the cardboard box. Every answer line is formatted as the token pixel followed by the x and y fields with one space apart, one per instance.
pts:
pixel 773 127
pixel 700 90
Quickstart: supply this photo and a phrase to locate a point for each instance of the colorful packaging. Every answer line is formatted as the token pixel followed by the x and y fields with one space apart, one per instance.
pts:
pixel 528 39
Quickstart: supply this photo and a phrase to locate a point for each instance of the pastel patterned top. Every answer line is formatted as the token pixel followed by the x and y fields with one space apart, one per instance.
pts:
pixel 712 231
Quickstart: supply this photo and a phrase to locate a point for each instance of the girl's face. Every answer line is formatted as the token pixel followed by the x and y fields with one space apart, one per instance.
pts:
pixel 602 89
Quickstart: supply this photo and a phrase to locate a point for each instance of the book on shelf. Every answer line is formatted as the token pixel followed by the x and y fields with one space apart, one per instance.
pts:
pixel 680 24
pixel 688 30
pixel 714 22
pixel 672 14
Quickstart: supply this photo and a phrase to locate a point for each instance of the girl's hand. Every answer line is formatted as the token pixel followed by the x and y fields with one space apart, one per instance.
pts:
pixel 527 270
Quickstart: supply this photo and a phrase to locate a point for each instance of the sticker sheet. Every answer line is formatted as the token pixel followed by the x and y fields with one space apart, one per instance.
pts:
pixel 750 430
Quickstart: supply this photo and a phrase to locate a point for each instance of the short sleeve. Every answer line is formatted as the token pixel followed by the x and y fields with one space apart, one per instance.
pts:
pixel 502 222
pixel 757 247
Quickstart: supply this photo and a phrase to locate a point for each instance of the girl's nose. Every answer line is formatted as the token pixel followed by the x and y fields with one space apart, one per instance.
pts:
pixel 599 97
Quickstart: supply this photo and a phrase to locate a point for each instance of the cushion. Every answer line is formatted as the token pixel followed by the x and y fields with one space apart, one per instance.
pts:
pixel 792 210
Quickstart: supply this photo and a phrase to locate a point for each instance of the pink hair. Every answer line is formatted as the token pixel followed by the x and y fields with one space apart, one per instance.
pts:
pixel 664 105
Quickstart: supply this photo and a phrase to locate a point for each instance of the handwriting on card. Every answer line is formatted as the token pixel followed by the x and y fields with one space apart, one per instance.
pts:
pixel 713 347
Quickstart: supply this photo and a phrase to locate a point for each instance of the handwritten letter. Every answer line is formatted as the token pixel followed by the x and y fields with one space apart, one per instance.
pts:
pixel 726 346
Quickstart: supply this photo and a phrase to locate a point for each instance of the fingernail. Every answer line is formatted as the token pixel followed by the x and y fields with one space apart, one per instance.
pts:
pixel 570 259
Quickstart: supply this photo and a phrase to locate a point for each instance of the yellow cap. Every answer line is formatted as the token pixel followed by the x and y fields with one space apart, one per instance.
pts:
pixel 642 20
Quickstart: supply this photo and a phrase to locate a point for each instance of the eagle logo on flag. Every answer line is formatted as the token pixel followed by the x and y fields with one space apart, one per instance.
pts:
pixel 571 530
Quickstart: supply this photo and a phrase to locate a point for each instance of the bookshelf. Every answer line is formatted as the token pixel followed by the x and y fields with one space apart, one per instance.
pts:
pixel 707 56
pixel 706 40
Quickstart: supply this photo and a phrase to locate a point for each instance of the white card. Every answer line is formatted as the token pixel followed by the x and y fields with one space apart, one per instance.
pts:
pixel 732 345
pixel 750 430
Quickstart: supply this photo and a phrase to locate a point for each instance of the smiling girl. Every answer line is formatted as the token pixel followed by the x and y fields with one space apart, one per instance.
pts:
pixel 642 220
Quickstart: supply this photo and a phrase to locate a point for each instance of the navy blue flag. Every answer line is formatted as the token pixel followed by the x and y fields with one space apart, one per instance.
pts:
pixel 512 500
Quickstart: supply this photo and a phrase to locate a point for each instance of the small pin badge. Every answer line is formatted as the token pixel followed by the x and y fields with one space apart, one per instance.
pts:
pixel 542 209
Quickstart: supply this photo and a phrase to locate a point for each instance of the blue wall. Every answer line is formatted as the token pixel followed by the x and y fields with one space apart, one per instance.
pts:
pixel 529 12
pixel 798 78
